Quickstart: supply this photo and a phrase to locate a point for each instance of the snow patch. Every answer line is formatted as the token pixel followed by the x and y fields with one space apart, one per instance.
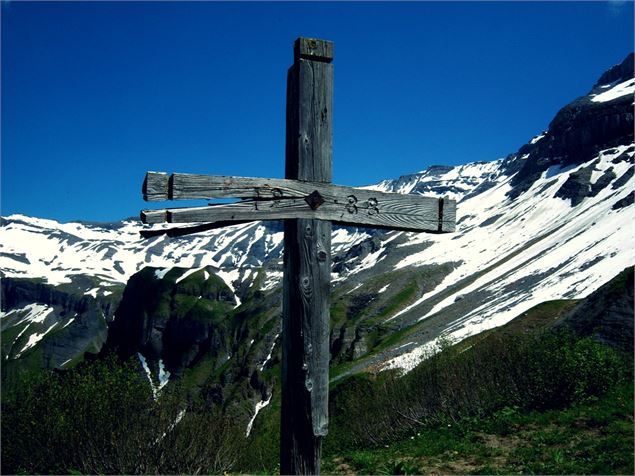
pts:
pixel 272 279
pixel 537 138
pixel 409 360
pixel 160 273
pixel 617 91
pixel 163 376
pixel 268 358
pixel 34 339
pixel 259 406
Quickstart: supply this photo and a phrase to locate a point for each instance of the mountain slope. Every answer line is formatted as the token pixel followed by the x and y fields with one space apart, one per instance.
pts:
pixel 552 221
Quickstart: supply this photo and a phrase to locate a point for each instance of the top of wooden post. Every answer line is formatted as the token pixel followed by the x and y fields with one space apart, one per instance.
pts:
pixel 313 49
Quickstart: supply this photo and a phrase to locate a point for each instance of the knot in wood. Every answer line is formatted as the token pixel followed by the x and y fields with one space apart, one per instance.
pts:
pixel 277 193
pixel 305 287
pixel 321 255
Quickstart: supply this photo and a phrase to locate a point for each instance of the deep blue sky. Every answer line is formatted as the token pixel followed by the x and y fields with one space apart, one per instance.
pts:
pixel 94 94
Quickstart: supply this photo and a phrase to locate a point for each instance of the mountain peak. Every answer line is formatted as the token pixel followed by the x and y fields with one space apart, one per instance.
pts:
pixel 618 73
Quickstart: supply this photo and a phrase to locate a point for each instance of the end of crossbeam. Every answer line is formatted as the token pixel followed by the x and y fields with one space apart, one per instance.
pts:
pixel 313 49
pixel 447 215
pixel 154 216
pixel 155 186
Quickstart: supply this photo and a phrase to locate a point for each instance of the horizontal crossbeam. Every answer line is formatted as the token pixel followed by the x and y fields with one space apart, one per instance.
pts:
pixel 277 199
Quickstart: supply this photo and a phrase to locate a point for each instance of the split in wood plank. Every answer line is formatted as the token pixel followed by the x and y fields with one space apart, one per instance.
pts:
pixel 276 199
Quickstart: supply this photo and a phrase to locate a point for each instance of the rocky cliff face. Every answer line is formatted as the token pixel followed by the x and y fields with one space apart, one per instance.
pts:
pixel 174 317
pixel 51 327
pixel 552 221
pixel 601 120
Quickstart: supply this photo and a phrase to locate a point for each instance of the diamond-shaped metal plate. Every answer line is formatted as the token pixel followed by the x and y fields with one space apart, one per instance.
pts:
pixel 314 199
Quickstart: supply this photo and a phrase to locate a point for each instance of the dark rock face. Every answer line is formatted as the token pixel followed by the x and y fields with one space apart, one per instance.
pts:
pixel 577 133
pixel 617 73
pixel 177 322
pixel 606 314
pixel 356 253
pixel 578 186
pixel 600 184
pixel 620 182
pixel 86 332
pixel 624 202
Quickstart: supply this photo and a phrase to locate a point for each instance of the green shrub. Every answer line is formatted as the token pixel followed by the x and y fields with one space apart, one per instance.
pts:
pixel 101 418
pixel 547 370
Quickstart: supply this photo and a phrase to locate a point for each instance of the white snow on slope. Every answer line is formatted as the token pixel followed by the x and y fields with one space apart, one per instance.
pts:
pixel 538 238
pixel 160 273
pixel 617 91
pixel 450 182
pixel 271 281
pixel 259 406
pixel 409 360
pixel 574 251
pixel 537 138
pixel 163 376
pixel 268 358
pixel 34 318
pixel 113 252
pixel 34 339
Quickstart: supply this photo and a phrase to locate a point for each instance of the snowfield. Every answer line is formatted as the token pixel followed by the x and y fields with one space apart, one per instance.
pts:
pixel 517 252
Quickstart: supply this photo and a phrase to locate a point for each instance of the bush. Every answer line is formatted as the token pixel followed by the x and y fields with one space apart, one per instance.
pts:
pixel 547 370
pixel 101 418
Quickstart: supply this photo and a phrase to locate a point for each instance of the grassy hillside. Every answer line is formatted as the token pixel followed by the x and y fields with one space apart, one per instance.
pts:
pixel 591 437
pixel 519 399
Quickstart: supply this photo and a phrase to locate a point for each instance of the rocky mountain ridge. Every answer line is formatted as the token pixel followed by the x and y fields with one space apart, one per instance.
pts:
pixel 552 221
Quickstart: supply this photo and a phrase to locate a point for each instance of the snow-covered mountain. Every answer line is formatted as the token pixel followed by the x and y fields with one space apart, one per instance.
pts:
pixel 552 221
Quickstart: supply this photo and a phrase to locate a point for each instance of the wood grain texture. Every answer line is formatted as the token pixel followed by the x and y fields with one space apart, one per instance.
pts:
pixel 155 186
pixel 283 198
pixel 448 219
pixel 394 215
pixel 305 351
pixel 313 49
pixel 307 239
pixel 154 216
pixel 307 264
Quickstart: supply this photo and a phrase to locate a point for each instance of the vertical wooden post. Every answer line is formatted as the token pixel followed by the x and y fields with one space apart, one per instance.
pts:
pixel 307 263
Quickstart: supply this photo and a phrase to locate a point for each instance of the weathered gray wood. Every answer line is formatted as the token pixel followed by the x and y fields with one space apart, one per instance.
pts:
pixel 308 203
pixel 313 49
pixel 188 230
pixel 194 186
pixel 154 216
pixel 448 216
pixel 307 265
pixel 400 212
pixel 155 186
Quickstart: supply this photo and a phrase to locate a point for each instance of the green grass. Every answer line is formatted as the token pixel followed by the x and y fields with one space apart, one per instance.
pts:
pixel 399 301
pixel 592 437
pixel 196 376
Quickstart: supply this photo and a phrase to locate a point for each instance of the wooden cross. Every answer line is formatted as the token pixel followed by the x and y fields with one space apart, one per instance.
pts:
pixel 308 203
